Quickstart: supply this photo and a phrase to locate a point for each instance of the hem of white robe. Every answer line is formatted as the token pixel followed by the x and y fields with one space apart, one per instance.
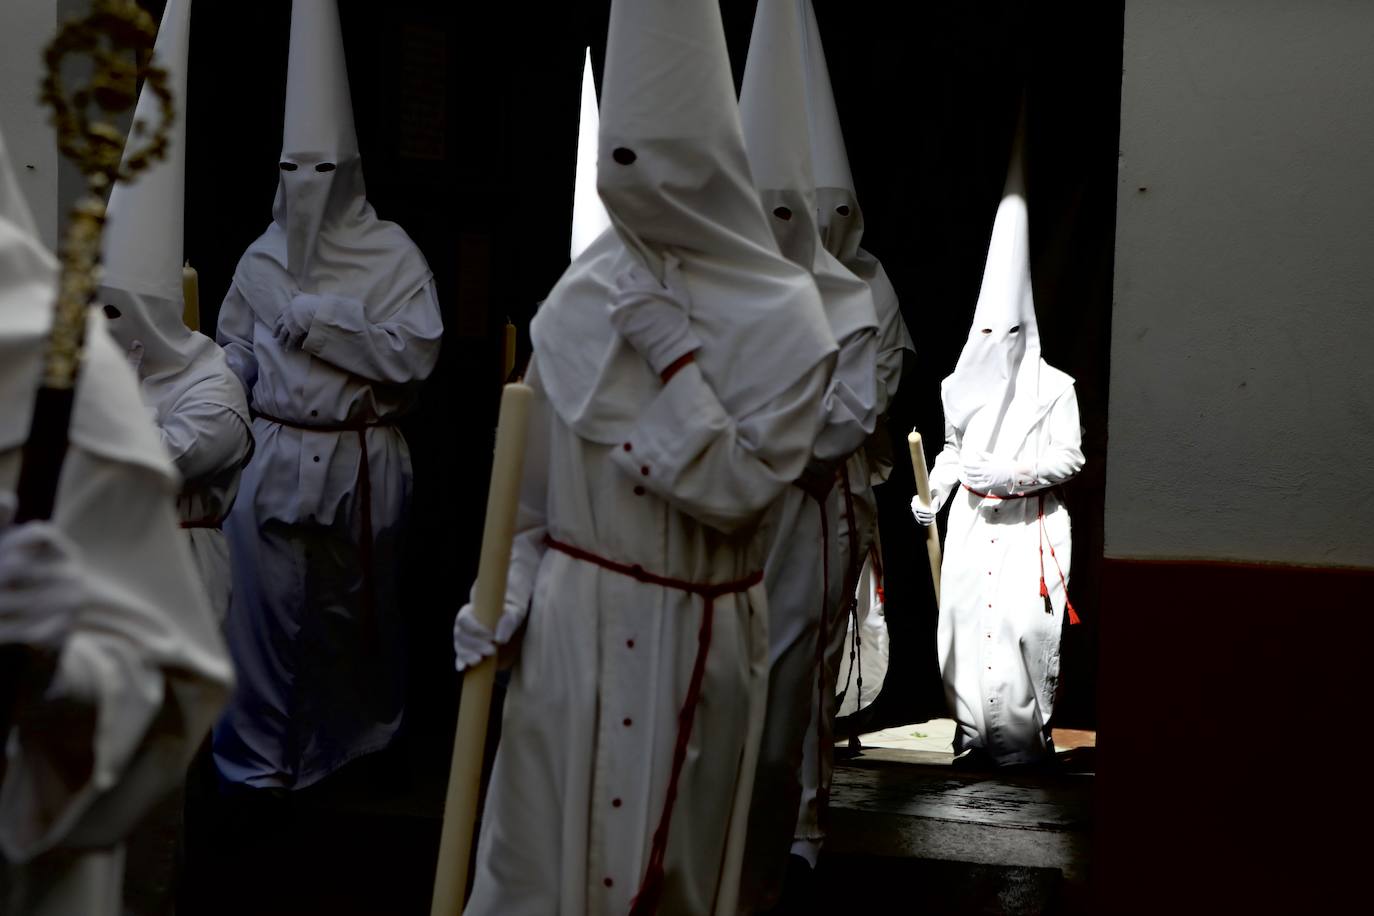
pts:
pixel 257 781
pixel 808 848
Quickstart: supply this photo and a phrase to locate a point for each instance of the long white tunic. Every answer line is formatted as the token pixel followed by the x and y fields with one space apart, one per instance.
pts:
pixel 320 670
pixel 854 524
pixel 997 639
pixel 144 669
pixel 591 713
pixel 803 575
pixel 209 444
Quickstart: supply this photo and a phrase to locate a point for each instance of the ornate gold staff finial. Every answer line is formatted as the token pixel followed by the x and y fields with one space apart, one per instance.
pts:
pixel 115 36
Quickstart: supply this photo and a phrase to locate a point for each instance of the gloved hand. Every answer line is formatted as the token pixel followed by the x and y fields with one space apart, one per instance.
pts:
pixel 473 642
pixel 41 586
pixel 923 511
pixel 992 473
pixel 293 324
pixel 652 316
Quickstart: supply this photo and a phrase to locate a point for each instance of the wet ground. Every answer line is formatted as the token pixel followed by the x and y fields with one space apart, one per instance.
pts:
pixel 907 827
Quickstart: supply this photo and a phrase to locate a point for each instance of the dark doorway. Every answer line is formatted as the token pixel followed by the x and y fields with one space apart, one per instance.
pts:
pixel 467 121
pixel 466 117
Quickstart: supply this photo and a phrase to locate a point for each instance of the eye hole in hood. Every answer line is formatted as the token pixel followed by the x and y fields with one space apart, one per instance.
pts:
pixel 325 167
pixel 112 313
pixel 287 166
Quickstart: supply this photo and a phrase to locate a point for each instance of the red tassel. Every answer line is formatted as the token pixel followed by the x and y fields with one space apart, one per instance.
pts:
pixel 650 892
pixel 1073 615
pixel 1044 592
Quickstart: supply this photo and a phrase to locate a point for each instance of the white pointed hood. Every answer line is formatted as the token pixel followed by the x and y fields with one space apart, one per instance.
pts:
pixel 325 237
pixel 674 178
pixel 1001 387
pixel 319 106
pixel 839 216
pixel 777 133
pixel 107 419
pixel 141 279
pixel 589 213
pixel 841 220
pixel 28 271
pixel 28 283
pixel 142 245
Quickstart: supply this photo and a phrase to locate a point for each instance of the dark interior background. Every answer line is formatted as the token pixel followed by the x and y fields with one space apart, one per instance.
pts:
pixel 466 117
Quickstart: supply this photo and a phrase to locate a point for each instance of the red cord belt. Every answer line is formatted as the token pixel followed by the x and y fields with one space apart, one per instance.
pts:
pixel 364 488
pixel 650 892
pixel 1040 520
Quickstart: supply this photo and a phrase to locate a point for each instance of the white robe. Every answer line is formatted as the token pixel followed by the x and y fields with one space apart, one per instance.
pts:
pixel 320 670
pixel 145 662
pixel 209 444
pixel 804 576
pixel 852 538
pixel 201 410
pixel 998 643
pixel 592 708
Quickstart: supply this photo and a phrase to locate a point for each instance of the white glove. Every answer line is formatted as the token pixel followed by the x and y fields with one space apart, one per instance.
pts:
pixel 293 324
pixel 473 642
pixel 991 473
pixel 924 511
pixel 652 316
pixel 41 587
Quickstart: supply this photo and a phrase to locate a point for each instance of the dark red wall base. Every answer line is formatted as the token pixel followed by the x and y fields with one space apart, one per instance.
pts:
pixel 1234 713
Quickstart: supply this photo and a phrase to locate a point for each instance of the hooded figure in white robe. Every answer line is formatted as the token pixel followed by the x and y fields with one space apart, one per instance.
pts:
pixel 677 367
pixel 331 323
pixel 197 403
pixel 107 594
pixel 791 132
pixel 1011 437
pixel 841 226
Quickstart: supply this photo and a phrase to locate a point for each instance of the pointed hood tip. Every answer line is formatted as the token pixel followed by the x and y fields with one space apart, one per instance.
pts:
pixel 589 214
pixel 319 105
pixel 144 238
pixel 827 139
pixel 775 100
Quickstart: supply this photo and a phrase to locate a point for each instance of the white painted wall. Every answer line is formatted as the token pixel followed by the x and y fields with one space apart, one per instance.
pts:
pixel 26 26
pixel 1242 386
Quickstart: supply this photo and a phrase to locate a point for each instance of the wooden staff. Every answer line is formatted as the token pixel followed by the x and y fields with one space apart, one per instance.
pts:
pixel 488 600
pixel 918 465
